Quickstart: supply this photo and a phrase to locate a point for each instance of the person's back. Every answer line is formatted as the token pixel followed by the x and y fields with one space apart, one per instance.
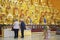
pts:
pixel 16 25
pixel 22 25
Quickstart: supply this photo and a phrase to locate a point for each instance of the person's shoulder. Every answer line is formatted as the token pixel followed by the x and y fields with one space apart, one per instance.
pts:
pixel 16 22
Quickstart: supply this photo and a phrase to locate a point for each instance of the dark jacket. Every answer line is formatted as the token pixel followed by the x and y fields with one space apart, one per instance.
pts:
pixel 22 25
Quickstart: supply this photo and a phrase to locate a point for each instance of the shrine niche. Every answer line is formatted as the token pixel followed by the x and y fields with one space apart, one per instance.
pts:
pixel 15 13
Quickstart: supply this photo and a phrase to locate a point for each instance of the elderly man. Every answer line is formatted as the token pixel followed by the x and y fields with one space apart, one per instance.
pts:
pixel 22 26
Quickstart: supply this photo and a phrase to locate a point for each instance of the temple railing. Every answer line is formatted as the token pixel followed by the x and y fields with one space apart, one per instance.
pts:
pixel 35 27
pixel 41 27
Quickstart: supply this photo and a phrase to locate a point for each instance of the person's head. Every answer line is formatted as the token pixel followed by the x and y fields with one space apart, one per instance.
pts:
pixel 15 20
pixel 21 20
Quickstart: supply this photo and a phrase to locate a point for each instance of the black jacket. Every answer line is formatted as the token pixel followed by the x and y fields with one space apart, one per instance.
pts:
pixel 22 25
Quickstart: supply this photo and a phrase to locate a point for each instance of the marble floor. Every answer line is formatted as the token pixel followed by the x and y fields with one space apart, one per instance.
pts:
pixel 34 36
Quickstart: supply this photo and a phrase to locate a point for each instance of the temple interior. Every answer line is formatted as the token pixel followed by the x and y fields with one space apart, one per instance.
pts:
pixel 34 12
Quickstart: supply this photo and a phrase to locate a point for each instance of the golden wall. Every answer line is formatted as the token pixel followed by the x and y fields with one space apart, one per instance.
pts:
pixel 32 11
pixel 56 3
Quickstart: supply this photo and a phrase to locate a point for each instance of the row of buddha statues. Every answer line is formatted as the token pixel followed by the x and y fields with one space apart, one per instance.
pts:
pixel 33 12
